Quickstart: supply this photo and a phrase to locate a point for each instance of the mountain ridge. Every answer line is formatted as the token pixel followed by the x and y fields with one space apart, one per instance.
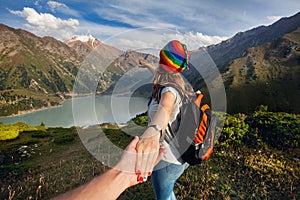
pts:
pixel 37 72
pixel 267 74
pixel 234 47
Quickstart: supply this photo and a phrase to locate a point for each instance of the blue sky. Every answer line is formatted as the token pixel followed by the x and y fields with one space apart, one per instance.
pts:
pixel 144 24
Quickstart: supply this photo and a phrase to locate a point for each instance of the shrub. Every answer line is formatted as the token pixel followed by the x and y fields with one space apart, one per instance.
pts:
pixel 64 139
pixel 40 134
pixel 234 130
pixel 31 142
pixel 279 130
pixel 141 121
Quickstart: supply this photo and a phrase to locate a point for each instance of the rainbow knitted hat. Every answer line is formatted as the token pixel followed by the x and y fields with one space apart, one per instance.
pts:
pixel 174 57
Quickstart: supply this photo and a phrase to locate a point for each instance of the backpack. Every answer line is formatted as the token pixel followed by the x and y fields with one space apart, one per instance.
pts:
pixel 195 137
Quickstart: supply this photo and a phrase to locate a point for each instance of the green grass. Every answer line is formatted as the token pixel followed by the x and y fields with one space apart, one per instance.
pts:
pixel 294 36
pixel 11 131
pixel 246 164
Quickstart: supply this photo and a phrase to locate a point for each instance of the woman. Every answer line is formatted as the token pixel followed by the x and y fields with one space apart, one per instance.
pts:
pixel 169 88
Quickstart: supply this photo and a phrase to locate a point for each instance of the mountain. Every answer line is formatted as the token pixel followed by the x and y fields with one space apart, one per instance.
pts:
pixel 131 79
pixel 267 74
pixel 234 47
pixel 35 72
pixel 29 62
pixel 38 72
pixel 84 44
pixel 83 40
pixel 259 67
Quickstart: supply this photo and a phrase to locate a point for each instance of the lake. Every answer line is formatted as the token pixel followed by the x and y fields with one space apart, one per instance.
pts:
pixel 84 111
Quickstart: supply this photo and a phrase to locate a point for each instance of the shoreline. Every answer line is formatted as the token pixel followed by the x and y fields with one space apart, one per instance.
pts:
pixel 66 98
pixel 71 97
pixel 24 112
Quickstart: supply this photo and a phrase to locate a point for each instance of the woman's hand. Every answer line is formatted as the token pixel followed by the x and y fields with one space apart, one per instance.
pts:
pixel 148 151
pixel 128 162
pixel 144 64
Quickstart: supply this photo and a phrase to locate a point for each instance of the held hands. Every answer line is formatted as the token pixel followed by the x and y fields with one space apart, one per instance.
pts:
pixel 130 161
pixel 149 153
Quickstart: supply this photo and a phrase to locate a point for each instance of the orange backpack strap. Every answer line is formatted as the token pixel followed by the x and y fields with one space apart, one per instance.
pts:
pixel 205 107
pixel 199 138
pixel 198 99
pixel 211 147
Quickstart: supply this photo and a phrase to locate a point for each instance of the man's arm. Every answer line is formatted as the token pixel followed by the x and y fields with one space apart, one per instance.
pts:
pixel 106 186
pixel 113 182
pixel 110 184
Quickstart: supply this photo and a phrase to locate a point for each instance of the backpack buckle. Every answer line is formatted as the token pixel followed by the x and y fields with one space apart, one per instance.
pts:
pixel 197 146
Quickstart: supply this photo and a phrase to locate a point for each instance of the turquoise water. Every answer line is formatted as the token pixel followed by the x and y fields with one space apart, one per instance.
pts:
pixel 84 111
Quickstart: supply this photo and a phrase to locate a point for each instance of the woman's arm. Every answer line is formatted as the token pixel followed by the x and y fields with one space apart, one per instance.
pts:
pixel 148 146
pixel 144 64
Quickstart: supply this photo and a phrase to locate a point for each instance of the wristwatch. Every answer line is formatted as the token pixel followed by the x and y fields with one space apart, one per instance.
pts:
pixel 158 128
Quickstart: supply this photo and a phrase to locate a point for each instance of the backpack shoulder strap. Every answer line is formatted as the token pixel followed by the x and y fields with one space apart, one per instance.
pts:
pixel 178 90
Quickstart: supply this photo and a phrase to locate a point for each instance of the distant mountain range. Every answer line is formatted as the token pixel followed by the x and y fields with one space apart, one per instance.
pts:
pixel 259 66
pixel 40 72
pixel 267 74
pixel 235 47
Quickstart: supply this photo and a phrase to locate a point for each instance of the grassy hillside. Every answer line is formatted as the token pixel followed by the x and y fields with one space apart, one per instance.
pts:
pixel 257 157
pixel 268 75
pixel 35 72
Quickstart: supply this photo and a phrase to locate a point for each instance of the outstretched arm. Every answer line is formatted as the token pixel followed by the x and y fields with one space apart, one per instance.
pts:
pixel 113 182
pixel 107 186
pixel 144 64
pixel 148 146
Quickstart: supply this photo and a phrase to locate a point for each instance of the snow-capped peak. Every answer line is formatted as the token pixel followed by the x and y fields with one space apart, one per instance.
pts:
pixel 88 39
pixel 83 38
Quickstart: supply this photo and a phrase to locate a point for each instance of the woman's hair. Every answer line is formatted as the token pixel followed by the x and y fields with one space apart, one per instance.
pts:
pixel 174 79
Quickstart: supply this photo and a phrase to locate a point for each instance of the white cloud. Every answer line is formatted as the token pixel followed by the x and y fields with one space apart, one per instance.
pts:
pixel 46 24
pixel 37 3
pixel 101 31
pixel 196 40
pixel 61 7
pixel 133 17
pixel 193 16
pixel 272 19
pixel 54 5
pixel 151 40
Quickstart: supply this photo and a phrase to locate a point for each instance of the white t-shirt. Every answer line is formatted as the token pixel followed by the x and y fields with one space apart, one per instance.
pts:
pixel 172 155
